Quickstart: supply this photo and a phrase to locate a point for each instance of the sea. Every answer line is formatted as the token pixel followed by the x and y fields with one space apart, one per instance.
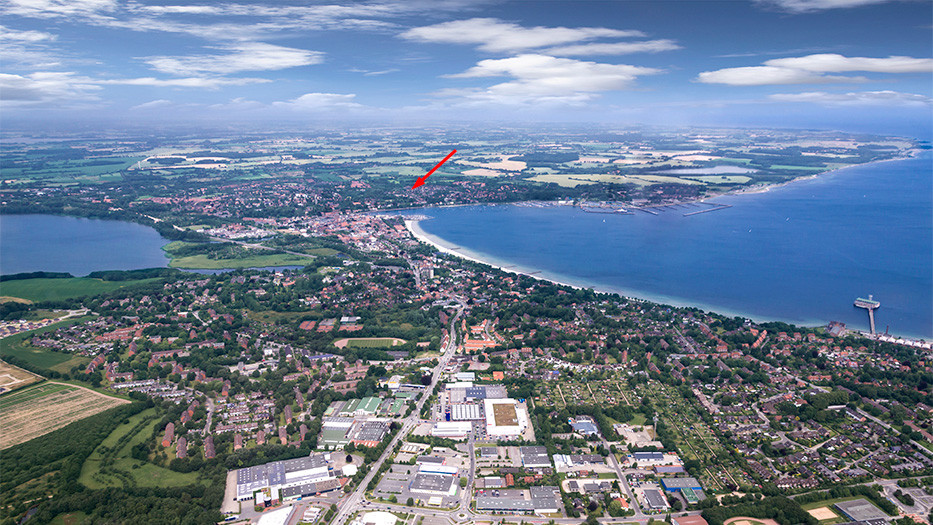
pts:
pixel 798 253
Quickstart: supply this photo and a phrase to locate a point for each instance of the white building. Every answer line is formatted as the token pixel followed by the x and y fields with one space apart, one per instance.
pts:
pixel 505 417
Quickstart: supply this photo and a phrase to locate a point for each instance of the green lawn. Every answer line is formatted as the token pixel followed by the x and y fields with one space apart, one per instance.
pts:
pixel 57 289
pixel 637 420
pixel 121 469
pixel 202 262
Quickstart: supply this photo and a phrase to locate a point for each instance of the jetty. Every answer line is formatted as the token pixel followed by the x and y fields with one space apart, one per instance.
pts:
pixel 707 210
pixel 871 305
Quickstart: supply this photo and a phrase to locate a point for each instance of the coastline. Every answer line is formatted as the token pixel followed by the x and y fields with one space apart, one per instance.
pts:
pixel 507 266
pixel 443 246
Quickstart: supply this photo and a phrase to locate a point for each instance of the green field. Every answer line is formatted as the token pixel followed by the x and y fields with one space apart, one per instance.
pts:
pixel 111 465
pixel 371 343
pixel 202 262
pixel 57 289
pixel 323 252
pixel 17 346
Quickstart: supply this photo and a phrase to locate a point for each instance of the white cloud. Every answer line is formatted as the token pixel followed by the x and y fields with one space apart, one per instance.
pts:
pixel 864 98
pixel 834 63
pixel 187 82
pixel 542 78
pixel 27 49
pixel 615 48
pixel 152 104
pixel 42 87
pixel 57 8
pixel 491 34
pixel 804 6
pixel 768 75
pixel 251 56
pixel 321 101
pixel 812 69
pixel 374 73
pixel 8 35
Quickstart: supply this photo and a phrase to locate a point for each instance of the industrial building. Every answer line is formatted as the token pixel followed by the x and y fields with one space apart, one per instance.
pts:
pixel 452 429
pixel 677 484
pixel 505 417
pixel 465 412
pixel 538 500
pixel 533 457
pixel 584 426
pixel 654 500
pixel 434 479
pixel 288 478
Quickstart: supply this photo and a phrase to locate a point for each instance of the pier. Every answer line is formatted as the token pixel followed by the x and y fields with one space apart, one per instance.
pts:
pixel 707 210
pixel 871 305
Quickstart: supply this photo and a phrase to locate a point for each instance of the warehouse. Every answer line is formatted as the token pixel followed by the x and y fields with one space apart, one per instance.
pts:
pixel 452 429
pixel 655 500
pixel 433 484
pixel 505 417
pixel 465 412
pixel 677 484
pixel 533 457
pixel 540 500
pixel 280 475
pixel 370 433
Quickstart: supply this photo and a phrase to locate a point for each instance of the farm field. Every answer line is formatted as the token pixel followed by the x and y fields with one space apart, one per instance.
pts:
pixel 56 289
pixel 40 409
pixel 111 464
pixel 369 342
pixel 14 377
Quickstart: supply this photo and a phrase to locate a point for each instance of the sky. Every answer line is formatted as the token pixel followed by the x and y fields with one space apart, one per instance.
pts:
pixel 829 64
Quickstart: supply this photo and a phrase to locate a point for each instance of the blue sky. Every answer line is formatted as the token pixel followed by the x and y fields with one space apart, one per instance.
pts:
pixel 849 64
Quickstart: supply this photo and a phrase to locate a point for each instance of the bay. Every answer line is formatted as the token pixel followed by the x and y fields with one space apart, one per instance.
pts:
pixel 799 253
pixel 79 246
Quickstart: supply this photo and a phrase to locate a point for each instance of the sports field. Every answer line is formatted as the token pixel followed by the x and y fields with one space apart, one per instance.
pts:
pixel 369 342
pixel 823 513
pixel 40 409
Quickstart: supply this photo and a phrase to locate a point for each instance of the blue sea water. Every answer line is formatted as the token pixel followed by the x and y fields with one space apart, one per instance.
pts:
pixel 51 243
pixel 799 253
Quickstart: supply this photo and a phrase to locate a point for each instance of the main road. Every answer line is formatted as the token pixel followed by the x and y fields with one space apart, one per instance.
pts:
pixel 352 502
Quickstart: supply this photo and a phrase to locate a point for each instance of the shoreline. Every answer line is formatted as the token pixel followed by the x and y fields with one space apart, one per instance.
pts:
pixel 443 246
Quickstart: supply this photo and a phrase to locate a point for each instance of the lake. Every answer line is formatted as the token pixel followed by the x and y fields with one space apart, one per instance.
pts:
pixel 52 243
pixel 799 253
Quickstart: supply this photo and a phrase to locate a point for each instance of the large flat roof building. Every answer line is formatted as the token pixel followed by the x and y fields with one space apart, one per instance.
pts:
pixel 280 475
pixel 505 417
pixel 655 500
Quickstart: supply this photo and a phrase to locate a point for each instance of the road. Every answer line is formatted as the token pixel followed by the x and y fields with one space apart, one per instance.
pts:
pixel 351 503
pixel 623 482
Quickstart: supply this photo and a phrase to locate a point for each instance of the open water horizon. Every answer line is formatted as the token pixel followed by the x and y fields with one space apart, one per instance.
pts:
pixel 799 253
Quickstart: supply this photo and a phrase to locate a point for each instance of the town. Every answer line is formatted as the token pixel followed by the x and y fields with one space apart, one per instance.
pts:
pixel 405 384
pixel 307 358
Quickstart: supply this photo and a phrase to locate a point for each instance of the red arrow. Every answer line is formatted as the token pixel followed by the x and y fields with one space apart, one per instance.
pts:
pixel 421 180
